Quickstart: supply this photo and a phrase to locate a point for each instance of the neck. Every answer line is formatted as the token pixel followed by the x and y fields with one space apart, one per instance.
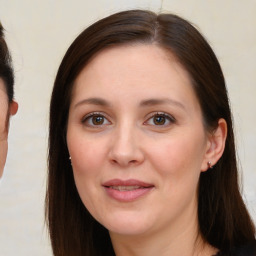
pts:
pixel 183 239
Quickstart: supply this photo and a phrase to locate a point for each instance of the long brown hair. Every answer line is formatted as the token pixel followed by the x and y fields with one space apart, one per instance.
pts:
pixel 223 218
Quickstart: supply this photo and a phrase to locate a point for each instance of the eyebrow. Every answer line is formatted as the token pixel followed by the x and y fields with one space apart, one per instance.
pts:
pixel 144 103
pixel 93 101
pixel 153 102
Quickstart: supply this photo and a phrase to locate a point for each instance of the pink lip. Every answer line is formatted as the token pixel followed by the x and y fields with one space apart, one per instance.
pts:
pixel 126 193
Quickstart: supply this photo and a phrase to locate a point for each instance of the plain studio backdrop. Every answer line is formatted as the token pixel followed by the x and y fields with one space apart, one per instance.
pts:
pixel 39 33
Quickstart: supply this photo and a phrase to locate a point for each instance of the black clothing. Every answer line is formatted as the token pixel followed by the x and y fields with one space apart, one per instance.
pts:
pixel 245 250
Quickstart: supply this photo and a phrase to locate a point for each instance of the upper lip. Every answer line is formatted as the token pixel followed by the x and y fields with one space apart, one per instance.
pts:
pixel 130 182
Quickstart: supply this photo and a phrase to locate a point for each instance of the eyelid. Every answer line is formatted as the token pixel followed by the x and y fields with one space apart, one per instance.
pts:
pixel 164 114
pixel 91 114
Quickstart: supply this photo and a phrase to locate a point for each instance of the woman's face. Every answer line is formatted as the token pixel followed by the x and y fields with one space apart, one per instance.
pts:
pixel 3 125
pixel 136 140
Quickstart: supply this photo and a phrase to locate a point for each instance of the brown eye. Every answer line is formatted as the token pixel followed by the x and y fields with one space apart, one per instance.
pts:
pixel 159 120
pixel 97 120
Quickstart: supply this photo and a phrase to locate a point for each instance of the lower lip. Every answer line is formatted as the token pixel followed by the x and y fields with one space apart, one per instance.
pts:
pixel 127 196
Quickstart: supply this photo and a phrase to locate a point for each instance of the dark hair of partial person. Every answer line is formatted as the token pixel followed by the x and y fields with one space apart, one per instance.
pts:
pixel 224 221
pixel 6 70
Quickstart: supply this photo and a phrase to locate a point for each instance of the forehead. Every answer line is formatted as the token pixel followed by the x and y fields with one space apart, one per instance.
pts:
pixel 134 55
pixel 137 66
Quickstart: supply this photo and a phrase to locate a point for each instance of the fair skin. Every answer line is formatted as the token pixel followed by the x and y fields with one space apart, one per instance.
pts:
pixel 138 145
pixel 5 110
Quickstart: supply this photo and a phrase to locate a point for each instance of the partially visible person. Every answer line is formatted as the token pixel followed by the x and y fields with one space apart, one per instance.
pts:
pixel 7 104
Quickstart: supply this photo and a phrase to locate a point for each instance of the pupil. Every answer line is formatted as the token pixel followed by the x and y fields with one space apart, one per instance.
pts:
pixel 159 120
pixel 97 120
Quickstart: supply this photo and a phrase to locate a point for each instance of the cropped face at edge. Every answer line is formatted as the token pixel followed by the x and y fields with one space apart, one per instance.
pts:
pixel 136 140
pixel 5 109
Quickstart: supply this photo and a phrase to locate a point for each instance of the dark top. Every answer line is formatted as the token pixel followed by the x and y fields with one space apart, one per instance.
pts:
pixel 246 250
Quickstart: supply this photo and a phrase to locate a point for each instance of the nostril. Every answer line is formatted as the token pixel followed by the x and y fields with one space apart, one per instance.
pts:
pixel 123 162
pixel 114 161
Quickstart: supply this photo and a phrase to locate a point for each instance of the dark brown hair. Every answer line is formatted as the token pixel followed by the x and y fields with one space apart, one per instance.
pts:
pixel 6 71
pixel 223 219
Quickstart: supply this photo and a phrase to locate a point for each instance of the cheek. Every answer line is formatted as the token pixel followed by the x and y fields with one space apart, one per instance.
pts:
pixel 176 152
pixel 178 160
pixel 86 161
pixel 178 169
pixel 86 154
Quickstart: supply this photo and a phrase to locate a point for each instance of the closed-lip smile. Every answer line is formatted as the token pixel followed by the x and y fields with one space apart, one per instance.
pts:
pixel 126 190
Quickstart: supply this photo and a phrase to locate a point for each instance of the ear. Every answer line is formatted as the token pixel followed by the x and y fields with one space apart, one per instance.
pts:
pixel 215 145
pixel 13 107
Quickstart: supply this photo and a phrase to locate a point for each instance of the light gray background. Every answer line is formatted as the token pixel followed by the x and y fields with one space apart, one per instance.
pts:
pixel 38 34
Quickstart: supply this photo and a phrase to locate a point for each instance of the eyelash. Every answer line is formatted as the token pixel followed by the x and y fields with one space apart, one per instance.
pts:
pixel 167 118
pixel 89 117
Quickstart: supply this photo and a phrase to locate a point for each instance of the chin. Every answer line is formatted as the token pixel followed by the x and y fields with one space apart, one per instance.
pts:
pixel 128 230
pixel 127 224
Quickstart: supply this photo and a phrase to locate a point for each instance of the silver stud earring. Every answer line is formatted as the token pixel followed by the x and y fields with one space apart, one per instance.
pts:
pixel 70 160
pixel 209 165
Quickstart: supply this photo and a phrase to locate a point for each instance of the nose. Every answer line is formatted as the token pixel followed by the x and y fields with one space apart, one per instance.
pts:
pixel 126 148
